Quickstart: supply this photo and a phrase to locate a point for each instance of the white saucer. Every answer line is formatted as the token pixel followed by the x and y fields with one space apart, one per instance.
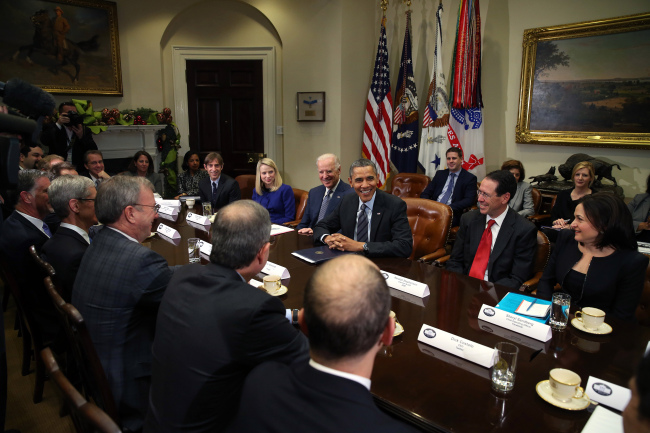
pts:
pixel 283 289
pixel 399 329
pixel 543 389
pixel 603 329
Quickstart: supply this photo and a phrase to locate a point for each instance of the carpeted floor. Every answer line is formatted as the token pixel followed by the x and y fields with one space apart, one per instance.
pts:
pixel 22 413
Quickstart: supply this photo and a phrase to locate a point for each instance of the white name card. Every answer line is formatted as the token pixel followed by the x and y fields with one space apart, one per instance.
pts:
pixel 513 336
pixel 607 393
pixel 168 232
pixel 461 347
pixel 197 219
pixel 205 247
pixel 169 203
pixel 167 210
pixel 411 287
pixel 514 322
pixel 278 229
pixel 454 360
pixel 273 269
pixel 422 302
pixel 255 283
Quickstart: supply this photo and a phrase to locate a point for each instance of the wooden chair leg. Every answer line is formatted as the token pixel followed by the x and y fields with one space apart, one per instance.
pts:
pixel 27 351
pixel 40 380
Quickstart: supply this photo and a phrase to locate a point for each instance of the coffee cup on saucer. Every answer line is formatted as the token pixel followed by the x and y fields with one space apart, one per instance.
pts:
pixel 565 384
pixel 190 202
pixel 591 317
pixel 272 283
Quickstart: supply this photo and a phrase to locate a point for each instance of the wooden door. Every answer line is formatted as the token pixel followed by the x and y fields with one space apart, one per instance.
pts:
pixel 225 108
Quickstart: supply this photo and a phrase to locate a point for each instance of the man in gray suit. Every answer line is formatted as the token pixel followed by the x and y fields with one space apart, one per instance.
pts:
pixel 118 290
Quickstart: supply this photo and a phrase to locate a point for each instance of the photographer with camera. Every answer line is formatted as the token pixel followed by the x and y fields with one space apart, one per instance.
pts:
pixel 68 137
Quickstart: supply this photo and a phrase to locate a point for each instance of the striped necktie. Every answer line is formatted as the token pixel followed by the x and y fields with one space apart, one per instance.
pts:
pixel 362 225
pixel 324 204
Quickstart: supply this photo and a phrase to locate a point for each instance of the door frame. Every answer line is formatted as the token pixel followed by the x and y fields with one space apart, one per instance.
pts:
pixel 180 56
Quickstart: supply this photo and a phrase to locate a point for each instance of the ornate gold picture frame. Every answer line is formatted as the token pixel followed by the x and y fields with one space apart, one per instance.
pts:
pixel 63 46
pixel 587 84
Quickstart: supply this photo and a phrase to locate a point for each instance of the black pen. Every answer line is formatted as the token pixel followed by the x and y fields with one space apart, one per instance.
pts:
pixel 531 304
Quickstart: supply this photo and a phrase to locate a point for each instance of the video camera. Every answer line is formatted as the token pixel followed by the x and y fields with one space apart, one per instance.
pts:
pixel 26 103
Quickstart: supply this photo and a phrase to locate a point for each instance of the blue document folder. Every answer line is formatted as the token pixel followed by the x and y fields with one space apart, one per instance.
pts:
pixel 512 300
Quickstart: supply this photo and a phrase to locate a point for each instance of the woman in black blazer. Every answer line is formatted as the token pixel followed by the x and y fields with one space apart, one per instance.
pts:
pixel 597 262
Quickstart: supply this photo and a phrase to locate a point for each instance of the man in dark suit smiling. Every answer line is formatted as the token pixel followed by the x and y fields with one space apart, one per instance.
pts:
pixel 219 189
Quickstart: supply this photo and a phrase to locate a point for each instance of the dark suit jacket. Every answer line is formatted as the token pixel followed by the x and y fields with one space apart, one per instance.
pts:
pixel 18 234
pixel 512 258
pixel 118 290
pixel 64 252
pixel 299 398
pixel 613 283
pixel 212 329
pixel 464 193
pixel 227 192
pixel 315 199
pixel 57 141
pixel 390 233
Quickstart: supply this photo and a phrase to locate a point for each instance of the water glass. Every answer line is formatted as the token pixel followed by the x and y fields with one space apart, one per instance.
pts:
pixel 504 368
pixel 559 311
pixel 193 250
pixel 207 208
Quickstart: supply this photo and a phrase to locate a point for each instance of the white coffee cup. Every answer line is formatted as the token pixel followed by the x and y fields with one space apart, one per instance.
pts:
pixel 190 202
pixel 565 384
pixel 272 283
pixel 591 317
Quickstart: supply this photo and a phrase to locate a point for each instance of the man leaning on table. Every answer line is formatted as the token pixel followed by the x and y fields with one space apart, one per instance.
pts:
pixel 346 315
pixel 495 243
pixel 323 199
pixel 372 222
pixel 213 328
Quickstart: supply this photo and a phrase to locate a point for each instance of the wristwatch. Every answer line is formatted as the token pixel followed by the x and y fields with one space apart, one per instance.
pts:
pixel 365 248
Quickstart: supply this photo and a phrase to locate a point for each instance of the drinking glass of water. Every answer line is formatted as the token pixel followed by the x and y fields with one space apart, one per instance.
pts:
pixel 504 368
pixel 193 250
pixel 559 311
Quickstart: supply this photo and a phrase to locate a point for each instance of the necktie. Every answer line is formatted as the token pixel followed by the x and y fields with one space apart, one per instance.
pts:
pixel 452 181
pixel 324 204
pixel 97 183
pixel 482 253
pixel 47 231
pixel 362 225
pixel 214 195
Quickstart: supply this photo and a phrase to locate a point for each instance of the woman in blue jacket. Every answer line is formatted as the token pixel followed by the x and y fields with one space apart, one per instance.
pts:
pixel 270 192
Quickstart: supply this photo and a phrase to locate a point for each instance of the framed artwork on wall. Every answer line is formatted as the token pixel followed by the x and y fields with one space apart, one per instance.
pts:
pixel 64 46
pixel 587 84
pixel 311 106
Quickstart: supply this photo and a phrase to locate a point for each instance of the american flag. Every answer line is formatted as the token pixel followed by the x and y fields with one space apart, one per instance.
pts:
pixel 379 112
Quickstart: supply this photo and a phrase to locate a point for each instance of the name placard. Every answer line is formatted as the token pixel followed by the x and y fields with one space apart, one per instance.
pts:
pixel 205 247
pixel 422 302
pixel 273 269
pixel 514 322
pixel 514 336
pixel 608 393
pixel 167 210
pixel 169 203
pixel 197 219
pixel 454 360
pixel 168 232
pixel 458 346
pixel 411 287
pixel 278 229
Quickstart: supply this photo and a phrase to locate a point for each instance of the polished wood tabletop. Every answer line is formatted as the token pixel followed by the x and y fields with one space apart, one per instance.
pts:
pixel 440 392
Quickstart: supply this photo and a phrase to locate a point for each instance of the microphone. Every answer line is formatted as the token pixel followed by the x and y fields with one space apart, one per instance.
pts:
pixel 29 99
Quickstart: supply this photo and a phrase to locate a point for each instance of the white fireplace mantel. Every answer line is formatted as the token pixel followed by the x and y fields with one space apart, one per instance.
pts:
pixel 120 141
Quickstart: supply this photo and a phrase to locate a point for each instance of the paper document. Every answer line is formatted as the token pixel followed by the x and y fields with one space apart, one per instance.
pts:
pixel 533 309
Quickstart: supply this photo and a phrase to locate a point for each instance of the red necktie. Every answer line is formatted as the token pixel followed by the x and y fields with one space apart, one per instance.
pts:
pixel 482 253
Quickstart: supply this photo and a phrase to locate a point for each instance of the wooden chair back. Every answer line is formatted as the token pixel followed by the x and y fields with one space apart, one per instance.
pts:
pixel 541 259
pixel 409 184
pixel 430 222
pixel 246 185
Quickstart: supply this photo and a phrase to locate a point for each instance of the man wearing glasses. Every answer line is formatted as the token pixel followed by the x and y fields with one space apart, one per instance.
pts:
pixel 118 289
pixel 495 243
pixel 73 201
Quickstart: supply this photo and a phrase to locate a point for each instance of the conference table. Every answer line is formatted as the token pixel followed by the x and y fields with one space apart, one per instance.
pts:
pixel 435 390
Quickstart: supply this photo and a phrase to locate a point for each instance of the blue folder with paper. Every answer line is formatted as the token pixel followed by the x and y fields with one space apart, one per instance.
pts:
pixel 526 306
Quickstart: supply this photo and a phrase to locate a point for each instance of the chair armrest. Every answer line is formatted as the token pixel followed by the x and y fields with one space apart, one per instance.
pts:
pixel 531 285
pixel 428 258
pixel 441 261
pixel 539 218
pixel 292 224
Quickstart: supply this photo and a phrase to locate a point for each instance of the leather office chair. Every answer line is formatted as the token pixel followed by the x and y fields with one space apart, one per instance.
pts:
pixel 94 381
pixel 409 184
pixel 85 415
pixel 541 259
pixel 537 200
pixel 31 333
pixel 300 196
pixel 246 185
pixel 430 222
pixel 540 219
pixel 643 309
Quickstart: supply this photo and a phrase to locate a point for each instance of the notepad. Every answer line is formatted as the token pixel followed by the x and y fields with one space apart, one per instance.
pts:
pixel 536 310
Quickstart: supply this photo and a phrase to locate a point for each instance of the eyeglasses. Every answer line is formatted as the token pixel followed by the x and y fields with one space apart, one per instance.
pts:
pixel 486 195
pixel 156 207
pixel 85 199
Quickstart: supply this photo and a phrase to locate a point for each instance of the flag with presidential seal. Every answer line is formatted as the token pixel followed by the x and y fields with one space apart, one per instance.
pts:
pixel 434 142
pixel 466 121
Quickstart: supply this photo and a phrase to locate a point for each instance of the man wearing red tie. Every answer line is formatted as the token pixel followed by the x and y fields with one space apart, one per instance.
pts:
pixel 495 243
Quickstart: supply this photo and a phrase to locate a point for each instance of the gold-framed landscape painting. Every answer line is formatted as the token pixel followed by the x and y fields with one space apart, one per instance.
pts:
pixel 587 84
pixel 64 46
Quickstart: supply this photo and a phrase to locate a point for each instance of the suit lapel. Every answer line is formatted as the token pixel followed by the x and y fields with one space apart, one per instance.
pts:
pixel 476 228
pixel 378 211
pixel 63 231
pixel 29 226
pixel 505 233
